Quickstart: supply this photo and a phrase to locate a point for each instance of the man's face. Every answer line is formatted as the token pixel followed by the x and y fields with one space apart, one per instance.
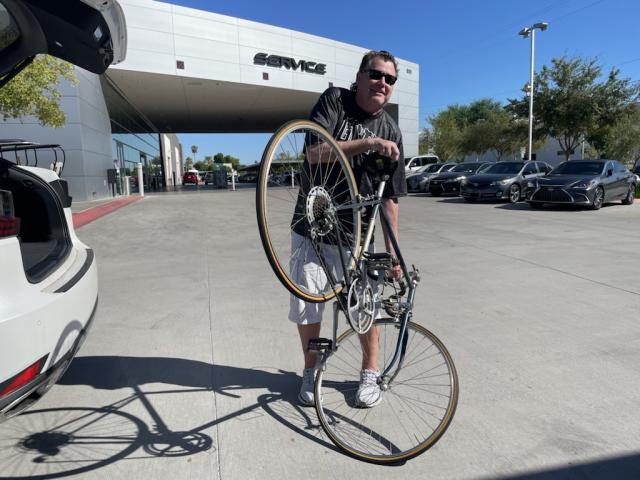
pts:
pixel 372 95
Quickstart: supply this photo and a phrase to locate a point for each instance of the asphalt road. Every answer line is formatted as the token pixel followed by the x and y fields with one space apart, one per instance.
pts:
pixel 191 369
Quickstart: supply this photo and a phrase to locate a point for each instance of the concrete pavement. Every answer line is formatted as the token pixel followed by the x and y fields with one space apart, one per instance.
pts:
pixel 192 369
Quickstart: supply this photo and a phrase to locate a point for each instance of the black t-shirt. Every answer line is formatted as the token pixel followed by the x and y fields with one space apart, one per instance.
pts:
pixel 338 113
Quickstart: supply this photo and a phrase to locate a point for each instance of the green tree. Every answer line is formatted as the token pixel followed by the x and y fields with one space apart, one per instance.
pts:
pixel 484 122
pixel 444 137
pixel 194 151
pixel 622 141
pixel 218 157
pixel 458 130
pixel 425 142
pixel 571 106
pixel 200 166
pixel 34 91
pixel 499 132
pixel 188 164
pixel 480 110
pixel 235 162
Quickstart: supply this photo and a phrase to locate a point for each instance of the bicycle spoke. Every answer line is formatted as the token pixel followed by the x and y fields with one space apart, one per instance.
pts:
pixel 409 415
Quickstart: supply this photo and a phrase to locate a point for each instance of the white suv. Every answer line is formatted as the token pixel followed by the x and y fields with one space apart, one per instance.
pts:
pixel 48 278
pixel 413 164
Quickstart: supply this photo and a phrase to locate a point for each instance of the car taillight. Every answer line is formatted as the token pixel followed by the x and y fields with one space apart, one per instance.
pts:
pixel 9 224
pixel 22 378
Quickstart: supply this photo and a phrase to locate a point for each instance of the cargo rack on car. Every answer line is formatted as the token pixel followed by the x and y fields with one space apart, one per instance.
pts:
pixel 30 150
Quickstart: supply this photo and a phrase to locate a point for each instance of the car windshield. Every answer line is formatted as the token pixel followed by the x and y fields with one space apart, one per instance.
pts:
pixel 579 168
pixel 466 167
pixel 434 167
pixel 447 168
pixel 505 167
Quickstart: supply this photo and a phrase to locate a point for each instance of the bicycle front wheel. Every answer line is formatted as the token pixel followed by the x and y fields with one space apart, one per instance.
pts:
pixel 414 411
pixel 306 201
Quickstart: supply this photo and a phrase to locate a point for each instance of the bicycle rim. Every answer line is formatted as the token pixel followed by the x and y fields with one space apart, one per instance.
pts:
pixel 414 412
pixel 304 166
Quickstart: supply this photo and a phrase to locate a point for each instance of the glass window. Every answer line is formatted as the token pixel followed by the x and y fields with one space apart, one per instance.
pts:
pixel 578 167
pixel 609 168
pixel 9 31
pixel 465 167
pixel 434 167
pixel 542 167
pixel 505 167
pixel 529 169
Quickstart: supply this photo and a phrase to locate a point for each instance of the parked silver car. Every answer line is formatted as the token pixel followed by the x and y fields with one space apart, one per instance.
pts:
pixel 502 180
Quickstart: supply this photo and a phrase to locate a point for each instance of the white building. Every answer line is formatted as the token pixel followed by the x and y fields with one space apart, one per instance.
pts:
pixel 191 71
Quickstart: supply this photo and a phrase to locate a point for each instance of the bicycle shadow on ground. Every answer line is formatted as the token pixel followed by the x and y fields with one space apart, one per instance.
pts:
pixel 121 372
pixel 59 442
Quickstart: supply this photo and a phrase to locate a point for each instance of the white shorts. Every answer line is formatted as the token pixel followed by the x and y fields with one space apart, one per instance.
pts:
pixel 306 270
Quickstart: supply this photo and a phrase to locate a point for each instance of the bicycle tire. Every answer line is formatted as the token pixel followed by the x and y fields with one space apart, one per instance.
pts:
pixel 380 434
pixel 275 200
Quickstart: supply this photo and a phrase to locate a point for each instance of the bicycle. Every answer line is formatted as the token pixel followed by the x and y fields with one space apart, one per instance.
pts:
pixel 418 378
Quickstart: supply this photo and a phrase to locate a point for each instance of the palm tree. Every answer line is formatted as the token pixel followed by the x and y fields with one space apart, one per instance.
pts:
pixel 194 150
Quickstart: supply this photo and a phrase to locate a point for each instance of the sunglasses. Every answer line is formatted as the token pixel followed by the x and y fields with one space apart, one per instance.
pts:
pixel 377 75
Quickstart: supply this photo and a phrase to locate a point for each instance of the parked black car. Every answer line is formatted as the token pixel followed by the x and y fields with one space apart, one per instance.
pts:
pixel 248 178
pixel 502 180
pixel 414 179
pixel 584 182
pixel 449 182
pixel 420 181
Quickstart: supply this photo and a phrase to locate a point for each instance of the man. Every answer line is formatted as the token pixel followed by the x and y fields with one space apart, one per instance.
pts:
pixel 364 132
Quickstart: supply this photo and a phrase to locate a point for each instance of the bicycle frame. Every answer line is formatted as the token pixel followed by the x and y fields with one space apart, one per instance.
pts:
pixel 340 304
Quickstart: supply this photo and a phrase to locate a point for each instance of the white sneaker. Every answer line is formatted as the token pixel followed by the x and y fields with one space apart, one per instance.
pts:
pixel 369 393
pixel 305 397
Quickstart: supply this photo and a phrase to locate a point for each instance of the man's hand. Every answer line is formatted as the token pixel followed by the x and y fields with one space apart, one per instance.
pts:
pixel 395 272
pixel 386 148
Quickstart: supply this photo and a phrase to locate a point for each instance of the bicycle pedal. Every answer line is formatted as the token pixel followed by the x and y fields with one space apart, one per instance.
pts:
pixel 378 261
pixel 415 275
pixel 319 344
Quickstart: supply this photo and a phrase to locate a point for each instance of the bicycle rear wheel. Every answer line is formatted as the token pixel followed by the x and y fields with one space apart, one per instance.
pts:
pixel 306 190
pixel 414 412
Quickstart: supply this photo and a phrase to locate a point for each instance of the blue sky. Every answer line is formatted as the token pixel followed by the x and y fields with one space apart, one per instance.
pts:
pixel 466 49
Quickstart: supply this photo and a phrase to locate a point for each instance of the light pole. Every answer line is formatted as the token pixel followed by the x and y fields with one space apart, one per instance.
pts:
pixel 525 32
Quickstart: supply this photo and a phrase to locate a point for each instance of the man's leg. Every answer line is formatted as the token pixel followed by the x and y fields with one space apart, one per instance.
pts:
pixel 306 333
pixel 369 344
pixel 306 270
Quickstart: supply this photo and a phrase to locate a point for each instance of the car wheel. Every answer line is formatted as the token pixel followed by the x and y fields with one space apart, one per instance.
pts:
pixel 631 195
pixel 598 198
pixel 514 193
pixel 536 205
pixel 470 199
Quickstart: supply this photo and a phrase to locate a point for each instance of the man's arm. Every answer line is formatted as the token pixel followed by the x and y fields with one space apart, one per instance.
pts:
pixel 386 148
pixel 323 153
pixel 391 210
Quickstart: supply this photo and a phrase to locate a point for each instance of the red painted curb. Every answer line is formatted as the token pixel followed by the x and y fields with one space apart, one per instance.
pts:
pixel 87 216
